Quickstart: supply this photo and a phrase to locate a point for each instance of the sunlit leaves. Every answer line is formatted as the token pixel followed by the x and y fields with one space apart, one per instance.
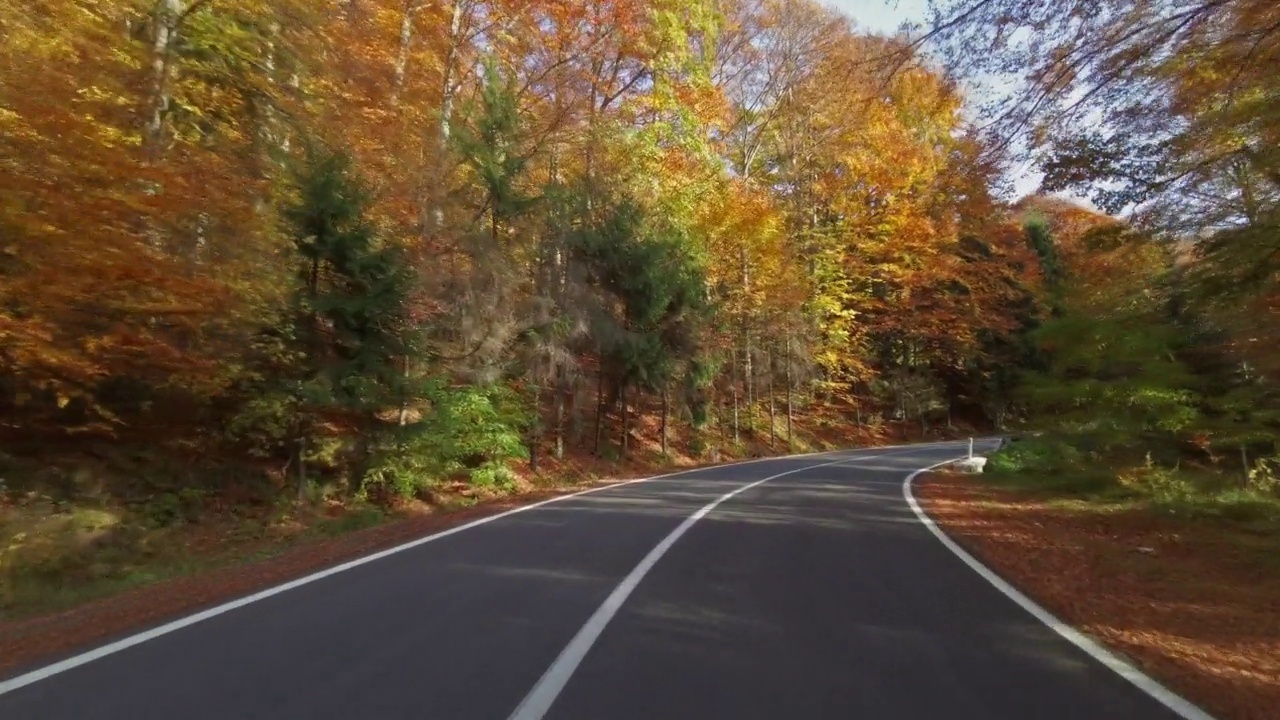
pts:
pixel 816 202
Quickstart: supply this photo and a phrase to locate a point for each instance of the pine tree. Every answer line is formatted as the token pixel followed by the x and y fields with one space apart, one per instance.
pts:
pixel 492 147
pixel 351 303
pixel 1113 381
pixel 1040 239
pixel 651 298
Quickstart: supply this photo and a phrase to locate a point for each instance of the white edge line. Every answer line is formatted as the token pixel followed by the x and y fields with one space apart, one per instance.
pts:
pixel 124 643
pixel 544 693
pixel 1183 707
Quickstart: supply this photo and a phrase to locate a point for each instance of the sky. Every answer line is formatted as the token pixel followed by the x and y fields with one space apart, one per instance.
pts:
pixel 881 15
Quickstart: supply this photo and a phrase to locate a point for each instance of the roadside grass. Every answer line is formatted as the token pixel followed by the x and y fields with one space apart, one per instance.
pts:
pixel 1065 478
pixel 1218 508
pixel 53 560
pixel 57 555
pixel 50 562
pixel 1202 499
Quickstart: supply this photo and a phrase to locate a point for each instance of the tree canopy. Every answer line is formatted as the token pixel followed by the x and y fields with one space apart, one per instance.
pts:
pixel 395 239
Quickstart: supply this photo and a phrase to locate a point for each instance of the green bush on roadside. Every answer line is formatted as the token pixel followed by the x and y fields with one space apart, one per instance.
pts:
pixel 1053 466
pixel 472 430
pixel 1040 454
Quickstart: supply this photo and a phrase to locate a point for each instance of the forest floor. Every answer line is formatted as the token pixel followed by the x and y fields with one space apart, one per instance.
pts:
pixel 1192 600
pixel 76 576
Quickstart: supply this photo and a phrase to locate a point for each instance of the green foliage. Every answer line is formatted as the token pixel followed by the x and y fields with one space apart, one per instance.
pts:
pixel 352 303
pixel 699 377
pixel 163 510
pixel 170 508
pixel 1038 454
pixel 1190 494
pixel 335 353
pixel 1165 486
pixel 697 445
pixel 475 429
pixel 1234 505
pixel 491 145
pixel 1264 476
pixel 1111 377
pixel 474 426
pixel 653 286
pixel 1040 239
pixel 340 351
pixel 1111 381
pixel 1050 466
pixel 267 421
pixel 576 210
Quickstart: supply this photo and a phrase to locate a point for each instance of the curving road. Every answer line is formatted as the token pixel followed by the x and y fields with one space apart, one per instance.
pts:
pixel 816 593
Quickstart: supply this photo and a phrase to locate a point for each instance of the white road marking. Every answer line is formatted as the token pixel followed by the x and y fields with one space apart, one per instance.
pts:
pixel 48 671
pixel 540 698
pixel 1144 682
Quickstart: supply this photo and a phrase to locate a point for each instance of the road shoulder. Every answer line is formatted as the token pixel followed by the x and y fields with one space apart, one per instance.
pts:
pixel 1178 598
pixel 27 642
pixel 30 642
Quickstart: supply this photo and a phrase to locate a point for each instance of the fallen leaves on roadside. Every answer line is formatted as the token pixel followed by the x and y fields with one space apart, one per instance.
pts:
pixel 1193 602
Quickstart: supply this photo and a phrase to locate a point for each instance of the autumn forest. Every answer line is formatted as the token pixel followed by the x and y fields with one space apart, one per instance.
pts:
pixel 254 251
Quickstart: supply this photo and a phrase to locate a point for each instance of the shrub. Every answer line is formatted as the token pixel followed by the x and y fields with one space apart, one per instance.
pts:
pixel 163 510
pixel 1163 485
pixel 1264 477
pixel 474 429
pixel 1039 455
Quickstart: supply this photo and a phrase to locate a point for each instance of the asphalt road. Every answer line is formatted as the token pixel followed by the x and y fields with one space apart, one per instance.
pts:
pixel 817 594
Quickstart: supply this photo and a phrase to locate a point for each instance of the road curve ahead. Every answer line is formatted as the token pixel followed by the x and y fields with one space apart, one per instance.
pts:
pixel 814 594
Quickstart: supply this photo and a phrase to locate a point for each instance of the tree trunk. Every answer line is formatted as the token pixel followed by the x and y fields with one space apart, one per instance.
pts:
pixel 747 372
pixel 403 418
pixel 1244 463
pixel 733 385
pixel 315 346
pixel 264 133
pixel 360 465
pixel 433 211
pixel 622 399
pixel 666 408
pixel 535 432
pixel 720 423
pixel 576 423
pixel 166 18
pixel 790 409
pixel 599 411
pixel 402 53
pixel 313 290
pixel 590 149
pixel 560 393
pixel 773 414
pixel 302 466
